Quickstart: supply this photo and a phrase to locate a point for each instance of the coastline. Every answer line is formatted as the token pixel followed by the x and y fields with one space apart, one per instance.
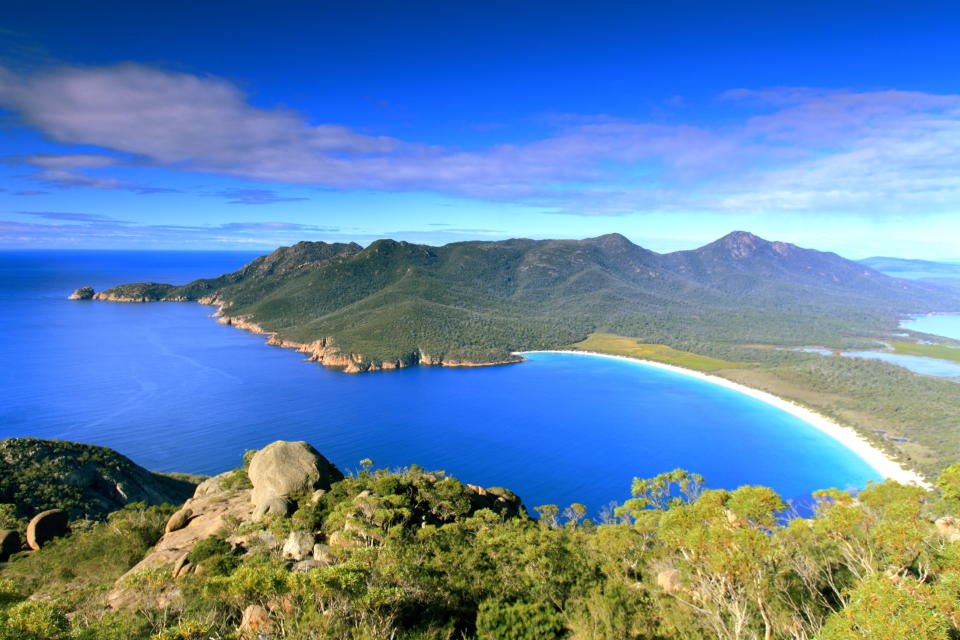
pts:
pixel 878 460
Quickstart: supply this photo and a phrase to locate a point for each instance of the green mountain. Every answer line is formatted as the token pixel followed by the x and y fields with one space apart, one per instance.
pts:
pixel 396 304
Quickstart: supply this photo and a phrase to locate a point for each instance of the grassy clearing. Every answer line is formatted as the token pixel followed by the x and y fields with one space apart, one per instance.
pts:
pixel 624 346
pixel 939 351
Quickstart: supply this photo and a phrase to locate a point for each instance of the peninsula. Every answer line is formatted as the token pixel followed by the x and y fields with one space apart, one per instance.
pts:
pixel 735 307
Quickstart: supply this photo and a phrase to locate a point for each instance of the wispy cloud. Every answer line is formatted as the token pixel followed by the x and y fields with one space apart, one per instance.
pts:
pixel 254 196
pixel 87 229
pixel 72 217
pixel 792 149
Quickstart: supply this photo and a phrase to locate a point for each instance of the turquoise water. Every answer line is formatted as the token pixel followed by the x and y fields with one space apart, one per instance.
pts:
pixel 175 391
pixel 944 324
pixel 917 364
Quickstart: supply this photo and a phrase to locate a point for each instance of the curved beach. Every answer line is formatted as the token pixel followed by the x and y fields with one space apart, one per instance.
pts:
pixel 877 459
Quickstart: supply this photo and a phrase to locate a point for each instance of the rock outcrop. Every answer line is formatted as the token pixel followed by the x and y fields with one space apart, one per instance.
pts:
pixel 9 544
pixel 45 526
pixel 212 513
pixel 255 622
pixel 83 293
pixel 298 546
pixel 282 469
pixel 178 520
pixel 948 528
pixel 291 476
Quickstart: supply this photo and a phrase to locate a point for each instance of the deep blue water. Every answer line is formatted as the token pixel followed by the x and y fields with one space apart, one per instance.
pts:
pixel 175 391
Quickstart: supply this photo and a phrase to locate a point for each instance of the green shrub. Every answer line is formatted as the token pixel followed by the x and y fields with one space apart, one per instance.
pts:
pixel 31 620
pixel 520 621
pixel 207 548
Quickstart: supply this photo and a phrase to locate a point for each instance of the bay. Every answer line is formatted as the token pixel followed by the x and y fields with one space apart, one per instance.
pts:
pixel 167 386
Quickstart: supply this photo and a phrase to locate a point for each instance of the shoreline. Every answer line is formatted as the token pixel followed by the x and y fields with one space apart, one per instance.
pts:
pixel 877 459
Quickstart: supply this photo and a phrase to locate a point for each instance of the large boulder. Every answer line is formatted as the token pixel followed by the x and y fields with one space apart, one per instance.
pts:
pixel 46 526
pixel 298 546
pixel 669 580
pixel 255 622
pixel 178 520
pixel 271 507
pixel 284 468
pixel 9 544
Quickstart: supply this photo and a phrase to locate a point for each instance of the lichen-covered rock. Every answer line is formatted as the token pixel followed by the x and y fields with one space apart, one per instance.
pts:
pixel 323 554
pixel 669 580
pixel 9 544
pixel 181 566
pixel 212 514
pixel 211 486
pixel 271 507
pixel 949 528
pixel 178 520
pixel 298 546
pixel 255 621
pixel 306 565
pixel 45 526
pixel 284 468
pixel 83 293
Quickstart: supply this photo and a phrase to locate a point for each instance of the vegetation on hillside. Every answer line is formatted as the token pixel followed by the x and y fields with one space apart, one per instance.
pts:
pixel 409 558
pixel 84 480
pixel 395 301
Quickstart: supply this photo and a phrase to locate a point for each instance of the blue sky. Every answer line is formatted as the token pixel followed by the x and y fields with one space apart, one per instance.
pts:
pixel 229 125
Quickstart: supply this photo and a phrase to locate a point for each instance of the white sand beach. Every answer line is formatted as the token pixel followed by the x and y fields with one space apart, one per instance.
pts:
pixel 879 460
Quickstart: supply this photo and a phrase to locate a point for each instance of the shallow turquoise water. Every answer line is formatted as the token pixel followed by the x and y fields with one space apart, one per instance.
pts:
pixel 175 391
pixel 917 364
pixel 945 324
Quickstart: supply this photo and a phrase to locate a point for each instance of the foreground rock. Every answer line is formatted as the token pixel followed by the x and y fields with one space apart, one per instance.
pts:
pixel 211 514
pixel 178 520
pixel 948 528
pixel 282 469
pixel 239 510
pixel 84 480
pixel 9 544
pixel 46 526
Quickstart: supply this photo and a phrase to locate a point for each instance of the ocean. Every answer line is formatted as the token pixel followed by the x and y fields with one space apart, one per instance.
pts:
pixel 173 390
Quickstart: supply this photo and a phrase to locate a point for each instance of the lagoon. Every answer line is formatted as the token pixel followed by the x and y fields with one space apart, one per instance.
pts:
pixel 175 391
pixel 917 364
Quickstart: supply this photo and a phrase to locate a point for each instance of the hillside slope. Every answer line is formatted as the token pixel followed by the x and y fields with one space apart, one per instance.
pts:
pixel 396 304
pixel 85 480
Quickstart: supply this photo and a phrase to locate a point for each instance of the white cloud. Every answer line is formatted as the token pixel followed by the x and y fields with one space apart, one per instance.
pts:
pixel 793 149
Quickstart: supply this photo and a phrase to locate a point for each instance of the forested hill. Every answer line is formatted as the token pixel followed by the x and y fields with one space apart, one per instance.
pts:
pixel 395 303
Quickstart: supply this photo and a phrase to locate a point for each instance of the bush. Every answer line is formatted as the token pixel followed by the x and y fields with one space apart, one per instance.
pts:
pixel 520 621
pixel 31 620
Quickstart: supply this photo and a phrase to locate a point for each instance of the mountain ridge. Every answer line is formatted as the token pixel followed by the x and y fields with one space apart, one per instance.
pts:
pixel 396 303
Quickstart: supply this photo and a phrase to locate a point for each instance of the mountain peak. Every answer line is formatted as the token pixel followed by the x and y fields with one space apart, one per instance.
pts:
pixel 611 241
pixel 739 244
